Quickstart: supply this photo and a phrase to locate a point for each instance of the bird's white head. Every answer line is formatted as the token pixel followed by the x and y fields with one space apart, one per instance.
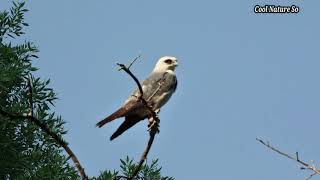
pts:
pixel 166 63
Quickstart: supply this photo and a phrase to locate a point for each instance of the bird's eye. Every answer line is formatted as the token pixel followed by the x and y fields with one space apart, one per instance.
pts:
pixel 168 61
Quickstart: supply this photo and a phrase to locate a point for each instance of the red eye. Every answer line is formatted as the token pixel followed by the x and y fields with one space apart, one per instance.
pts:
pixel 168 61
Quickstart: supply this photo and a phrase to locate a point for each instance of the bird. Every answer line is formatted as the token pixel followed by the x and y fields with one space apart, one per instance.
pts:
pixel 157 89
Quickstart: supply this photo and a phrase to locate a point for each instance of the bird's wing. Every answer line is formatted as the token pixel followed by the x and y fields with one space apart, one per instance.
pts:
pixel 150 86
pixel 150 89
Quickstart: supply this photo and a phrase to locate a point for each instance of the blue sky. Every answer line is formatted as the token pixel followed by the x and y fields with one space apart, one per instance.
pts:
pixel 242 75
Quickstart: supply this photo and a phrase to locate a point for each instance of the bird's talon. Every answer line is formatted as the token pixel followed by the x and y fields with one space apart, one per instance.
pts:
pixel 152 124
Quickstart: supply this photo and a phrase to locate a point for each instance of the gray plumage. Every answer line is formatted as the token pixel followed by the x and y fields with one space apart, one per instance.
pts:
pixel 157 90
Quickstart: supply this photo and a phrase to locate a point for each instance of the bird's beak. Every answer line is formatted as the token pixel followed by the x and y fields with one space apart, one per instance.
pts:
pixel 175 64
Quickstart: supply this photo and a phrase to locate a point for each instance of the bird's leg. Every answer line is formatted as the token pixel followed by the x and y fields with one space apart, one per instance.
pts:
pixel 153 124
pixel 151 121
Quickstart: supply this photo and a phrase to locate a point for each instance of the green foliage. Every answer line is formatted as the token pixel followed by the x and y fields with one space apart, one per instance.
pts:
pixel 11 24
pixel 127 166
pixel 106 175
pixel 26 151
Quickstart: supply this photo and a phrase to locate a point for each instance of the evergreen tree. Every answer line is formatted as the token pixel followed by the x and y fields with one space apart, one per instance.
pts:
pixel 30 132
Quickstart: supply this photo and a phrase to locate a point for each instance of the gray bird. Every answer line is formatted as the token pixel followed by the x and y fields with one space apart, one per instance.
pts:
pixel 157 90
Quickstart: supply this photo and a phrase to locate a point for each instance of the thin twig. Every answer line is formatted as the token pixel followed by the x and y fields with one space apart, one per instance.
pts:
pixel 123 67
pixel 311 175
pixel 153 132
pixel 306 165
pixel 127 70
pixel 134 61
pixel 154 129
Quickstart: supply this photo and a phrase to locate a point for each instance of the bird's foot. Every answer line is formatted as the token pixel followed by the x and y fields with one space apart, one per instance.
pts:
pixel 153 125
pixel 157 111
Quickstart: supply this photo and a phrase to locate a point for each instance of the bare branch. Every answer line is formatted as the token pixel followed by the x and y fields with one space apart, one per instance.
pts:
pixel 154 123
pixel 134 61
pixel 304 164
pixel 311 175
pixel 153 132
pixel 123 67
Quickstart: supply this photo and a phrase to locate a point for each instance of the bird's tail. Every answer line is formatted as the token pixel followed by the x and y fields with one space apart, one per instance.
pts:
pixel 128 123
pixel 119 113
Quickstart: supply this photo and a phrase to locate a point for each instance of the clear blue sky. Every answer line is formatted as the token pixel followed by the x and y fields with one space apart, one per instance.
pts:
pixel 241 76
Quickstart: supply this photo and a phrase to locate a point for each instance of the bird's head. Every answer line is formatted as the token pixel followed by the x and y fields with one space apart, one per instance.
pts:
pixel 166 63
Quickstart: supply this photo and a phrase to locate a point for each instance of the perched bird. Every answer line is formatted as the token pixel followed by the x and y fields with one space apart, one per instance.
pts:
pixel 157 90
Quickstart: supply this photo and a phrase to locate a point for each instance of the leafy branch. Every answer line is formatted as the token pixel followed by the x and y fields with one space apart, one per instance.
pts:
pixel 46 129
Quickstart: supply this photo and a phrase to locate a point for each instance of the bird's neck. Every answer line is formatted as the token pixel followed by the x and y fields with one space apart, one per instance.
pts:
pixel 169 71
pixel 164 69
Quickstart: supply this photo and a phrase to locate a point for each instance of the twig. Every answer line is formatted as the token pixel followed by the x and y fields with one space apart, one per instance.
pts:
pixel 311 175
pixel 154 129
pixel 305 165
pixel 127 70
pixel 47 129
pixel 123 67
pixel 153 132
pixel 134 61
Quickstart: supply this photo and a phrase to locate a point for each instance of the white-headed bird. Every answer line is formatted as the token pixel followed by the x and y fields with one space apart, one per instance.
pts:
pixel 157 90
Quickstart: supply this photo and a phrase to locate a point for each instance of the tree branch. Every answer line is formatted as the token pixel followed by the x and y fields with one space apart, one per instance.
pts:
pixel 47 130
pixel 153 131
pixel 304 164
pixel 310 176
pixel 154 119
